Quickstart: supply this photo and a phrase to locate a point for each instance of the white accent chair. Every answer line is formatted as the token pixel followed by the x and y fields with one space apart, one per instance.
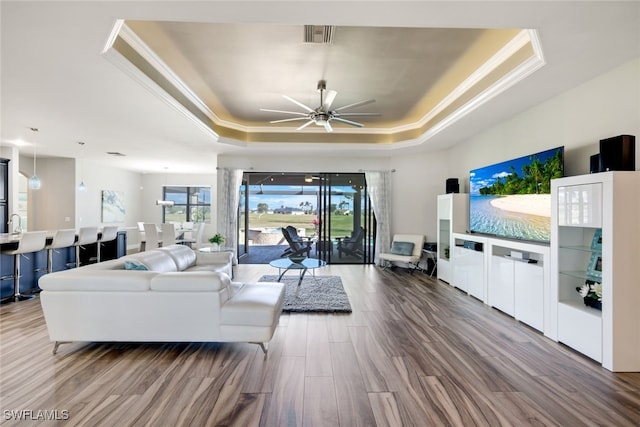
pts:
pixel 30 242
pixel 406 249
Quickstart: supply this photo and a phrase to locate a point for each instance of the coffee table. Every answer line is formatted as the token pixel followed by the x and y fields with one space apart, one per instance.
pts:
pixel 303 266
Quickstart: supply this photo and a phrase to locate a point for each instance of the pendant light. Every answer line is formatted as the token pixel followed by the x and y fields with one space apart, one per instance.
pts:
pixel 34 181
pixel 81 188
pixel 165 202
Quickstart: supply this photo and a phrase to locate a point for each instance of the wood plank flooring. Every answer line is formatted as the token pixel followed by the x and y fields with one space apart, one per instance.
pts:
pixel 414 352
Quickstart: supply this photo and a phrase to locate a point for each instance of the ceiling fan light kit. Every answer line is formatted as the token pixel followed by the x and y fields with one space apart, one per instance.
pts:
pixel 322 115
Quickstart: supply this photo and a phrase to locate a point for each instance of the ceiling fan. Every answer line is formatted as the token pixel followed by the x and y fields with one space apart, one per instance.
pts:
pixel 323 115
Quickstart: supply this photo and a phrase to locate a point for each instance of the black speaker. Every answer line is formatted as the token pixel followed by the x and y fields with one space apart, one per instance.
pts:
pixel 594 164
pixel 452 185
pixel 618 153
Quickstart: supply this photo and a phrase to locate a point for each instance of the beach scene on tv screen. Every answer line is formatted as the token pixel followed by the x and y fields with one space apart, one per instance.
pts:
pixel 512 199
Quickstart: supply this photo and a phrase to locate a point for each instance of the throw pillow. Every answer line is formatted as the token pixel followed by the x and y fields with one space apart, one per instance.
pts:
pixel 402 248
pixel 134 265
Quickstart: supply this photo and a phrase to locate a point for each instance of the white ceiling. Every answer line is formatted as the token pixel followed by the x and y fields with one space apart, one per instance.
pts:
pixel 55 78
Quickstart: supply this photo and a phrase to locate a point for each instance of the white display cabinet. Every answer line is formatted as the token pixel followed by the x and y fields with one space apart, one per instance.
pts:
pixel 453 217
pixel 605 204
pixel 469 264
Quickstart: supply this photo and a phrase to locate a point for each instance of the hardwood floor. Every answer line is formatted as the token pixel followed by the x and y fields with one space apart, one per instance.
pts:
pixel 414 352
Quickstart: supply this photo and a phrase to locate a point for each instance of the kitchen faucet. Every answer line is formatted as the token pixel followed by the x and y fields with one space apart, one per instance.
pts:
pixel 12 228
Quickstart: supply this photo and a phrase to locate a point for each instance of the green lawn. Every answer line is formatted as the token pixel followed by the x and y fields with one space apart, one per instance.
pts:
pixel 341 225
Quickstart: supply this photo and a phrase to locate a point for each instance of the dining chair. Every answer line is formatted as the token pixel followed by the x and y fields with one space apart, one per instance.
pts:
pixel 168 234
pixel 151 240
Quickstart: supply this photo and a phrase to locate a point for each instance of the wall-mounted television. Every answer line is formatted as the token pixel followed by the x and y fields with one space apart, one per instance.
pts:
pixel 512 199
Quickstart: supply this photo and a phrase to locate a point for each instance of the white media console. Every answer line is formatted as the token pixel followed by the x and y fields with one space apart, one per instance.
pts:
pixel 510 276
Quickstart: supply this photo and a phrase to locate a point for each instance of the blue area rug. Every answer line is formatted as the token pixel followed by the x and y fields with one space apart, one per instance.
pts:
pixel 324 294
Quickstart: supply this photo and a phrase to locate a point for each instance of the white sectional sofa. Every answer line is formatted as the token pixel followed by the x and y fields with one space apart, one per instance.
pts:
pixel 174 294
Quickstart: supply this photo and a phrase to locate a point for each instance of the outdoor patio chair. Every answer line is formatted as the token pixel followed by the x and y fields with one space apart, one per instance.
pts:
pixel 296 246
pixel 352 245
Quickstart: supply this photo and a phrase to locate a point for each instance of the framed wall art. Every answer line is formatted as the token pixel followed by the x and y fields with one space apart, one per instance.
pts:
pixel 113 209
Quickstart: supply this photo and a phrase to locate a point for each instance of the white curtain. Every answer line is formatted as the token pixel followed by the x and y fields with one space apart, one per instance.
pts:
pixel 379 187
pixel 229 182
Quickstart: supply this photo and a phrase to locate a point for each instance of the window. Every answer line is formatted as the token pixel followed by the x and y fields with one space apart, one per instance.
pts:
pixel 191 204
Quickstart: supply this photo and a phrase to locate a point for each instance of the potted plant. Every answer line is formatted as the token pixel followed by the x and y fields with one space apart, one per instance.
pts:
pixel 591 292
pixel 217 240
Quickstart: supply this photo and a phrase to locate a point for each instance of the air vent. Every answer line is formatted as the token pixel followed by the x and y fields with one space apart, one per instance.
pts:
pixel 115 153
pixel 319 34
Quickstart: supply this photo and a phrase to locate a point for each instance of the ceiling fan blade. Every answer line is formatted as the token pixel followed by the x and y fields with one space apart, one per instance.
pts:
pixel 298 113
pixel 289 120
pixel 328 100
pixel 298 103
pixel 305 125
pixel 349 122
pixel 355 114
pixel 356 104
pixel 327 127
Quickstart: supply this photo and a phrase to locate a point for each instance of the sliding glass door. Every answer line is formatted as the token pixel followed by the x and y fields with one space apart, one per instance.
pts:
pixel 332 211
pixel 347 224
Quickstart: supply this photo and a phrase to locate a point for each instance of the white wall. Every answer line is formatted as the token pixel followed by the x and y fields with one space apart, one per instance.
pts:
pixel 416 184
pixel 578 119
pixel 97 178
pixel 53 206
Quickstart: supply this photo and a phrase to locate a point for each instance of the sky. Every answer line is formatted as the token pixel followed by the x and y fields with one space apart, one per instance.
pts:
pixel 275 201
pixel 486 176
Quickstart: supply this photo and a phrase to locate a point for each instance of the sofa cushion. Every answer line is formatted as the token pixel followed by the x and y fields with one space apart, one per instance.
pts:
pixel 190 281
pixel 254 304
pixel 154 260
pixel 130 264
pixel 402 248
pixel 182 255
pixel 221 268
pixel 88 280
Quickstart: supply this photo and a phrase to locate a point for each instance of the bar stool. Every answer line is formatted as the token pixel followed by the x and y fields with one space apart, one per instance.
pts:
pixel 150 236
pixel 109 234
pixel 86 236
pixel 62 239
pixel 32 241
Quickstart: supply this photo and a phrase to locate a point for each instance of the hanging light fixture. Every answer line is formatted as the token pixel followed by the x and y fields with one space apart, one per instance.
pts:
pixel 165 202
pixel 34 181
pixel 81 188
